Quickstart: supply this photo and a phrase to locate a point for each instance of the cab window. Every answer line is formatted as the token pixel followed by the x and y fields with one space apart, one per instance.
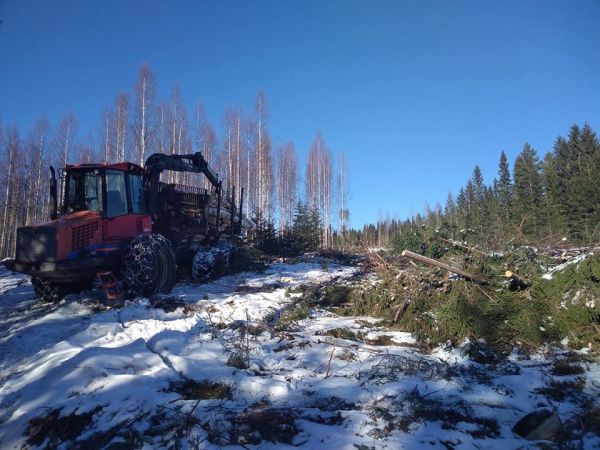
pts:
pixel 84 192
pixel 116 193
pixel 136 189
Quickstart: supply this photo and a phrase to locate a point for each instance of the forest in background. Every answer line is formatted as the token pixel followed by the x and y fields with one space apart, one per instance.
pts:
pixel 543 201
pixel 139 124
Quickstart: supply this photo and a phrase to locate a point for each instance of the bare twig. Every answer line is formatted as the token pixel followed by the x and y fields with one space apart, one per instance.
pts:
pixel 328 371
pixel 490 298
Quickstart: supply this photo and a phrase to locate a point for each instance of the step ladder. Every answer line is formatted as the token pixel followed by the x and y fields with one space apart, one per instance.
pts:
pixel 110 286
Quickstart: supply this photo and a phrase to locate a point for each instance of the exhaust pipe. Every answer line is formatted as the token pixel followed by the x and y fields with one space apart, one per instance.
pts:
pixel 53 195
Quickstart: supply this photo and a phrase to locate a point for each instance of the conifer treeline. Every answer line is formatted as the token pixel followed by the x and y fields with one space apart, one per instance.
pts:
pixel 542 201
pixel 138 124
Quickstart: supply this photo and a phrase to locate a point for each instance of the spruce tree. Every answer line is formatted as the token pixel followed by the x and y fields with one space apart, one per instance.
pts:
pixel 528 190
pixel 478 189
pixel 265 234
pixel 587 193
pixel 478 185
pixel 306 229
pixel 562 166
pixel 577 182
pixel 553 224
pixel 492 231
pixel 450 212
pixel 462 209
pixel 470 220
pixel 504 191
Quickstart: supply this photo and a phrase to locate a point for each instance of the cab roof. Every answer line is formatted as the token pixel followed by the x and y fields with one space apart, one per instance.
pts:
pixel 126 166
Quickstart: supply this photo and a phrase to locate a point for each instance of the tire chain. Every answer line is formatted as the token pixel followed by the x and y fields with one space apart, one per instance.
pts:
pixel 208 259
pixel 47 291
pixel 140 260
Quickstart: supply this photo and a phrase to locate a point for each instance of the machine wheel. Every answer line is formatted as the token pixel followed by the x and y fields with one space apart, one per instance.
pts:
pixel 50 292
pixel 213 262
pixel 149 266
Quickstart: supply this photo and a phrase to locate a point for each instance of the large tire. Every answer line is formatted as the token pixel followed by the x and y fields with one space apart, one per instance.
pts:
pixel 149 266
pixel 50 292
pixel 213 262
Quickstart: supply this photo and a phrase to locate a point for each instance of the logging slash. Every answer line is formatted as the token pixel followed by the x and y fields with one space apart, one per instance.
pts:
pixel 441 265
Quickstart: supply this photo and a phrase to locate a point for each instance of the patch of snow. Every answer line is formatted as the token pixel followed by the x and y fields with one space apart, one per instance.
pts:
pixel 559 268
pixel 591 303
pixel 342 391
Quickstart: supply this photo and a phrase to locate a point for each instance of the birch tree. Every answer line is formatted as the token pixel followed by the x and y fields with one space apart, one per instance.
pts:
pixel 238 164
pixel 228 150
pixel 318 184
pixel 145 90
pixel 326 196
pixel 36 198
pixel 161 138
pixel 263 164
pixel 122 102
pixel 342 194
pixel 11 198
pixel 64 138
pixel 205 139
pixel 233 149
pixel 114 130
pixel 312 172
pixel 287 185
pixel 87 152
pixel 107 138
pixel 178 130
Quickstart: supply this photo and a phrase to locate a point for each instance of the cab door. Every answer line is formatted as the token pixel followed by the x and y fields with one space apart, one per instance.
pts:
pixel 119 223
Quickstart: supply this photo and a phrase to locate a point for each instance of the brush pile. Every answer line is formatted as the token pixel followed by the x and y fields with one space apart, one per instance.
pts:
pixel 522 297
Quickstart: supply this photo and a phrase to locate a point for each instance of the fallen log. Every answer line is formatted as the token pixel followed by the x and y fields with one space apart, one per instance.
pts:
pixel 463 246
pixel 441 265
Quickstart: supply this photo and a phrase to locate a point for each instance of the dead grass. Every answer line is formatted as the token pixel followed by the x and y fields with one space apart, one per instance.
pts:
pixel 559 391
pixel 381 340
pixel 55 429
pixel 341 333
pixel 168 303
pixel 272 424
pixel 201 390
pixel 254 425
pixel 563 367
pixel 389 367
pixel 405 412
pixel 238 360
pixel 589 421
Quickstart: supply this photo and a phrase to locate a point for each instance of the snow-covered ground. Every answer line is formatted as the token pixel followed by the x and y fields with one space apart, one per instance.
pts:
pixel 74 375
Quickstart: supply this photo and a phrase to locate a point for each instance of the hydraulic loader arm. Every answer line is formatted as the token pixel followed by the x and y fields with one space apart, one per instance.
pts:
pixel 195 163
pixel 159 162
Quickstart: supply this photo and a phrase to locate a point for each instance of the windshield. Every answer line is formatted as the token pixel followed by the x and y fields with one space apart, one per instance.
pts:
pixel 84 191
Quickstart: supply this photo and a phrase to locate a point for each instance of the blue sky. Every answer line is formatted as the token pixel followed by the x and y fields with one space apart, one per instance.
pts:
pixel 415 93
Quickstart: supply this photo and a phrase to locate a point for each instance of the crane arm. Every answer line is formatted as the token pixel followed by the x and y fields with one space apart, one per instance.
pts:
pixel 195 163
pixel 159 162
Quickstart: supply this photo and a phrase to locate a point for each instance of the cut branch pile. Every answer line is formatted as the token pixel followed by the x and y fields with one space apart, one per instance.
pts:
pixel 441 265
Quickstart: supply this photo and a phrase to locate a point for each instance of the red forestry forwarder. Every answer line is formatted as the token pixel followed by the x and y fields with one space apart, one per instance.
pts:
pixel 122 221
